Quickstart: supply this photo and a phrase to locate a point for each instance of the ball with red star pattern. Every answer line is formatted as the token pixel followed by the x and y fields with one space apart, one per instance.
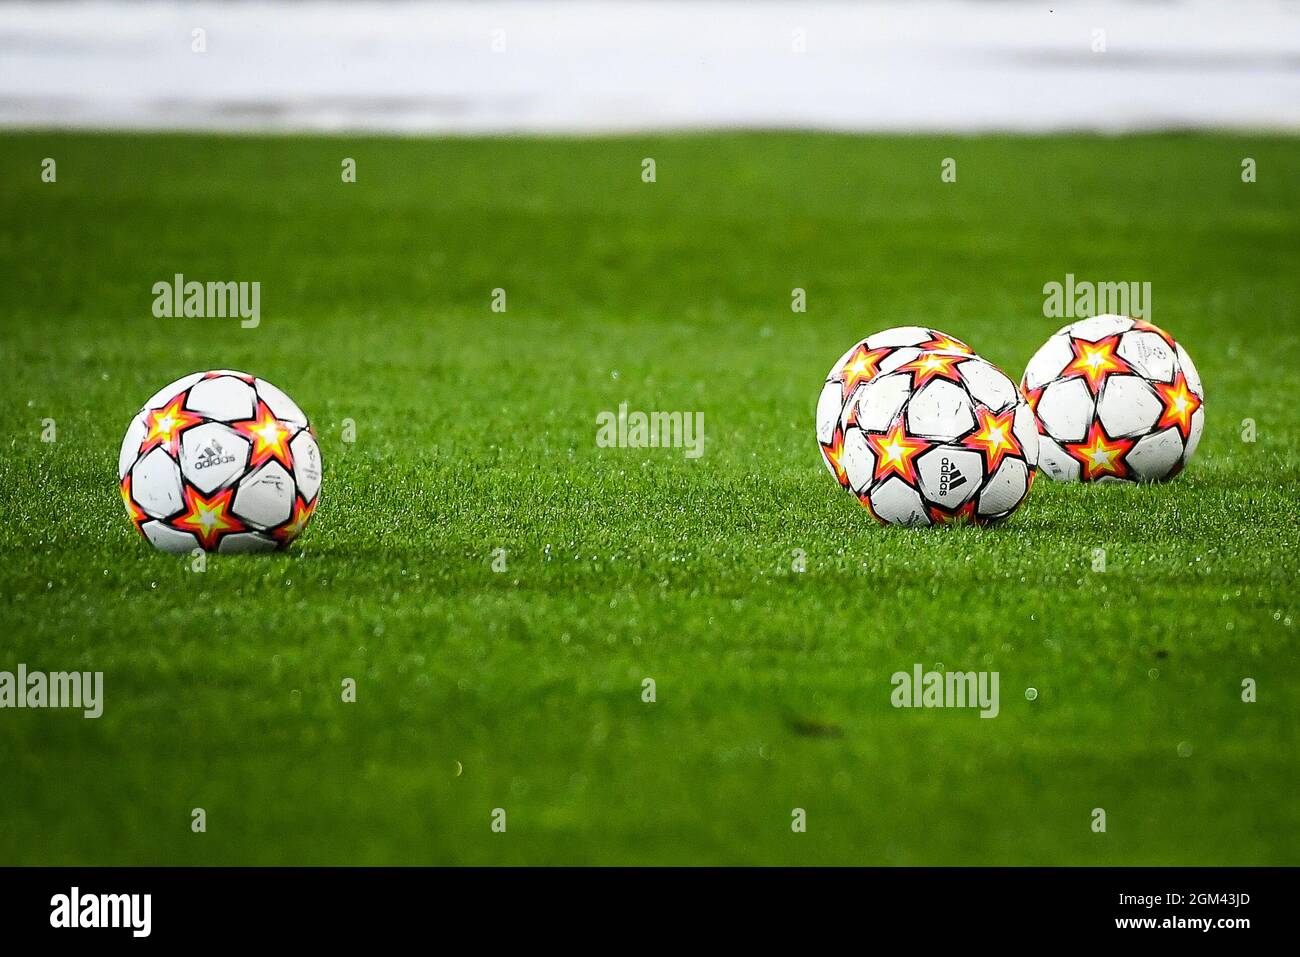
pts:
pixel 1117 400
pixel 943 437
pixel 222 461
pixel 879 352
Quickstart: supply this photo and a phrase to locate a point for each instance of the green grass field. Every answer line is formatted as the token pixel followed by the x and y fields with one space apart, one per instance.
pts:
pixel 475 431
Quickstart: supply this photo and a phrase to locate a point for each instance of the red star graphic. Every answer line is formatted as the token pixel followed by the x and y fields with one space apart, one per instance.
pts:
pixel 852 420
pixel 133 511
pixel 209 519
pixel 993 436
pixel 865 499
pixel 270 437
pixel 302 512
pixel 1094 361
pixel 833 453
pixel 896 452
pixel 930 365
pixel 241 376
pixel 1180 403
pixel 164 426
pixel 1031 395
pixel 1101 455
pixel 944 342
pixel 961 515
pixel 861 366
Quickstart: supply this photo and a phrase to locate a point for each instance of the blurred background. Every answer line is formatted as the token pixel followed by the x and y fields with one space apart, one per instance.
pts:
pixel 519 66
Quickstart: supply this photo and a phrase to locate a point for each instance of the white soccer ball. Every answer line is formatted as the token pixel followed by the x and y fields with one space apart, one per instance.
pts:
pixel 880 352
pixel 1117 400
pixel 220 461
pixel 945 436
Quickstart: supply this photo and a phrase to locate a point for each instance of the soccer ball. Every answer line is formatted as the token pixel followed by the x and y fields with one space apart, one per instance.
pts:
pixel 882 352
pixel 1117 399
pixel 220 461
pixel 944 437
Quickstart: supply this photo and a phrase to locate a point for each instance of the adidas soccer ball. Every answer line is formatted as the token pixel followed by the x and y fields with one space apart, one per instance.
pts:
pixel 220 461
pixel 881 352
pixel 1117 399
pixel 946 436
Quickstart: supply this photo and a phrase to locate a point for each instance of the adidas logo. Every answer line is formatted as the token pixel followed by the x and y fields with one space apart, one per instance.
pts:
pixel 950 477
pixel 213 455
